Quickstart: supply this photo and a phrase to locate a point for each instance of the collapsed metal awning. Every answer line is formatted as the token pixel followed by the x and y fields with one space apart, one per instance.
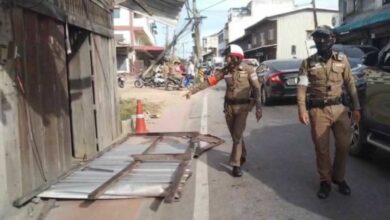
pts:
pixel 164 11
pixel 150 165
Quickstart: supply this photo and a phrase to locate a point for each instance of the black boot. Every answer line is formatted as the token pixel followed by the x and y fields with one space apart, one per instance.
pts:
pixel 236 171
pixel 343 187
pixel 324 190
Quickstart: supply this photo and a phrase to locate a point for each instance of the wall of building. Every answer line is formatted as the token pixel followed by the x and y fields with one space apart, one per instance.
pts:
pixel 126 34
pixel 259 10
pixel 221 42
pixel 124 17
pixel 298 27
pixel 349 9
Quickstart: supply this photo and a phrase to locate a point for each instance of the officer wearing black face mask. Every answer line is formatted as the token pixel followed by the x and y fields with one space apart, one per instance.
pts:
pixel 321 79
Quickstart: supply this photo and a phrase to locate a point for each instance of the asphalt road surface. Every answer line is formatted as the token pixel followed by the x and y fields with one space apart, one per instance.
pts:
pixel 280 179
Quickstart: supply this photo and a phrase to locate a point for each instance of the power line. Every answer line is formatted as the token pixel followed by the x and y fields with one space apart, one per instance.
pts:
pixel 215 4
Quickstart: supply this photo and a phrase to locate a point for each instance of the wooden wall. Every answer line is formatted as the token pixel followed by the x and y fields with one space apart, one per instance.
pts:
pixel 45 95
pixel 106 92
pixel 82 96
pixel 44 125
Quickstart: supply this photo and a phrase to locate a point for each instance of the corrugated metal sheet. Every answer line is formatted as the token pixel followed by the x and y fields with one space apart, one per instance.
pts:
pixel 166 11
pixel 147 179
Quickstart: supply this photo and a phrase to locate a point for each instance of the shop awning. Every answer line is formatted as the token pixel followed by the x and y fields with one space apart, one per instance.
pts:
pixel 149 48
pixel 365 21
pixel 164 11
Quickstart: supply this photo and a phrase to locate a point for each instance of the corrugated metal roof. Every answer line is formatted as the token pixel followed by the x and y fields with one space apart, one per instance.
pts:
pixel 148 178
pixel 165 11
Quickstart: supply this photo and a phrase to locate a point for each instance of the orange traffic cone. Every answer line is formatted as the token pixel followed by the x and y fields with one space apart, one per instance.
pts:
pixel 140 125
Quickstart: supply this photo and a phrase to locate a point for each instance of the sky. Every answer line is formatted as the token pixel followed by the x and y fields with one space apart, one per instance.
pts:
pixel 215 21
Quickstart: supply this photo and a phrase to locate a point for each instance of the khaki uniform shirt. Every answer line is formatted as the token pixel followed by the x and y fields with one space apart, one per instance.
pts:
pixel 241 84
pixel 325 80
pixel 165 70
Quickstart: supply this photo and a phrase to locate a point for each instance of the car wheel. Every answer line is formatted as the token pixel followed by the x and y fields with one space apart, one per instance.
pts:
pixel 265 99
pixel 359 146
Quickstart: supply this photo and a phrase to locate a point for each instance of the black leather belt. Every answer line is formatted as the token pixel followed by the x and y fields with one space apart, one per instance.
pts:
pixel 236 101
pixel 322 103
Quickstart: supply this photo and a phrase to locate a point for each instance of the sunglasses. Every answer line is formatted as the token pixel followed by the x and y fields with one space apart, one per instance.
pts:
pixel 322 38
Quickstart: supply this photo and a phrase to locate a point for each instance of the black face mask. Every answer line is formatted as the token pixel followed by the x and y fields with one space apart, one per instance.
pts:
pixel 324 44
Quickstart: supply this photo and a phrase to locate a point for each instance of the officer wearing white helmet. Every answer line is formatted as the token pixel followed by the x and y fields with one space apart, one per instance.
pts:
pixel 242 93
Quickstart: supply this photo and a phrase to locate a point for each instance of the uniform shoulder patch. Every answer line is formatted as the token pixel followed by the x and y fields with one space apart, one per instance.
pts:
pixel 341 56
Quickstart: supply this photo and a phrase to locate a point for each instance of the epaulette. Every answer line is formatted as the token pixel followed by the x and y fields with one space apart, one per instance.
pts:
pixel 340 56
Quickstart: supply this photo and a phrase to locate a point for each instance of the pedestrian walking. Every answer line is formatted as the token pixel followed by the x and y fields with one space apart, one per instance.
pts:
pixel 190 74
pixel 322 77
pixel 242 93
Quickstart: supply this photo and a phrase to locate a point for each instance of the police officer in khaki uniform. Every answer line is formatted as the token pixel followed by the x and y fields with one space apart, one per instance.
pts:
pixel 321 80
pixel 242 93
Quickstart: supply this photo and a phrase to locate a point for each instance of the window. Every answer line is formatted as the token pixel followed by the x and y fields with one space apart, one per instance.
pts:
pixel 115 13
pixel 271 34
pixel 357 5
pixel 293 50
pixel 220 38
pixel 262 42
pixel 254 40
pixel 119 37
pixel 121 64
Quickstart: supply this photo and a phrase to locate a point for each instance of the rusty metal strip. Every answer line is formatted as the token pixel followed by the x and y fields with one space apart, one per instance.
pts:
pixel 102 188
pixel 180 171
pixel 191 134
pixel 171 192
pixel 212 141
pixel 162 157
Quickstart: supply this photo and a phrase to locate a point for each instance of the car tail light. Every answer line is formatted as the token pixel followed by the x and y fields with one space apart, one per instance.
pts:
pixel 275 77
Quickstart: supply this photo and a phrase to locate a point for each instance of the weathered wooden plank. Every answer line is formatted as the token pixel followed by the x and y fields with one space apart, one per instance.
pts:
pixel 75 13
pixel 102 90
pixel 48 74
pixel 35 117
pixel 10 161
pixel 61 90
pixel 83 121
pixel 18 37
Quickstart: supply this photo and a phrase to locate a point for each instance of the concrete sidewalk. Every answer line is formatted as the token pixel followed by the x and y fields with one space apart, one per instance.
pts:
pixel 174 118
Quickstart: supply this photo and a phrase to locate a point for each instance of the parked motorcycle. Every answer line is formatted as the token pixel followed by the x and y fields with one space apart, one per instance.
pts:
pixel 121 81
pixel 144 81
pixel 173 83
pixel 159 80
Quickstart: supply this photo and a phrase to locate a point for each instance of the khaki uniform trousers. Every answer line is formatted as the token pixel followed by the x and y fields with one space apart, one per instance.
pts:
pixel 323 120
pixel 236 123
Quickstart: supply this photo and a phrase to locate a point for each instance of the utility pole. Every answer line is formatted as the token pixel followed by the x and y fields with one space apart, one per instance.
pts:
pixel 313 2
pixel 166 36
pixel 196 34
pixel 182 44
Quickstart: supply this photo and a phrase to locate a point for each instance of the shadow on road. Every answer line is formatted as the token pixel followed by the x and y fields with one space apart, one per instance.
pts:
pixel 282 158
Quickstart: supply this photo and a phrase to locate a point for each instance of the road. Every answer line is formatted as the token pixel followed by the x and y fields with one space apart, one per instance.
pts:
pixel 280 179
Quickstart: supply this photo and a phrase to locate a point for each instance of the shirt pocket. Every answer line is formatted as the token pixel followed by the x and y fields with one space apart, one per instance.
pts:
pixel 229 79
pixel 336 72
pixel 315 74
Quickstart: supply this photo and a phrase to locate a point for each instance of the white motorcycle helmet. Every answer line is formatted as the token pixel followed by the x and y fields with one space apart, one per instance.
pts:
pixel 234 50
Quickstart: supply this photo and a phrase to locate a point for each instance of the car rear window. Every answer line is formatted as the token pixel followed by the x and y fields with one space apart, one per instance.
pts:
pixel 285 64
